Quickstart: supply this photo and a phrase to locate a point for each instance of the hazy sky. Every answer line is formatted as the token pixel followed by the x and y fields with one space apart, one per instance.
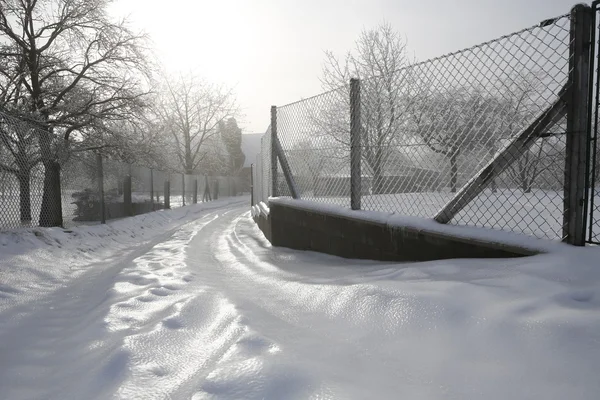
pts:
pixel 271 51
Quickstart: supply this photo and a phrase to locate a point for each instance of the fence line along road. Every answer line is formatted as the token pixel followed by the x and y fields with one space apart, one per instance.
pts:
pixel 476 137
pixel 93 188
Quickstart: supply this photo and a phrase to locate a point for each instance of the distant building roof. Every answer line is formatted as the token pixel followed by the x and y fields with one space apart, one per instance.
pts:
pixel 398 163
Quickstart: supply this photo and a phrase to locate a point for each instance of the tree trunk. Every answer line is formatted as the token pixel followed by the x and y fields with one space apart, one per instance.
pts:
pixel 51 211
pixel 24 178
pixel 207 194
pixel 525 186
pixel 377 176
pixel 528 185
pixel 493 183
pixel 454 171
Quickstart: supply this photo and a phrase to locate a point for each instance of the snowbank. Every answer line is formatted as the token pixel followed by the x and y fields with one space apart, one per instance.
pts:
pixel 34 260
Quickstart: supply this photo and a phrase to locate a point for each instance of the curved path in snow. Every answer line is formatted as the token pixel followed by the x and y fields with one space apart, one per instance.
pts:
pixel 211 311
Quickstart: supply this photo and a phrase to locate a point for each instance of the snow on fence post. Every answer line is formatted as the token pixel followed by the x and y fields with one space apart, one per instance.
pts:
pixel 100 178
pixel 355 148
pixel 274 151
pixel 578 125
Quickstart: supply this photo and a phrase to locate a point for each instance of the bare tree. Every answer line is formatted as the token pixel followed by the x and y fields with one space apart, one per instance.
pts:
pixel 452 120
pixel 80 69
pixel 140 141
pixel 379 58
pixel 192 110
pixel 520 97
pixel 544 156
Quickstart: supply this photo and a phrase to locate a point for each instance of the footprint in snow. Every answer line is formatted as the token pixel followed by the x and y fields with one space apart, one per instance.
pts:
pixel 173 323
pixel 138 280
pixel 582 296
pixel 172 287
pixel 159 371
pixel 146 298
pixel 155 266
pixel 576 298
pixel 255 345
pixel 159 291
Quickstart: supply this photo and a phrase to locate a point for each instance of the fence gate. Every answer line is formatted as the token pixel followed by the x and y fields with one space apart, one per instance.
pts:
pixel 593 162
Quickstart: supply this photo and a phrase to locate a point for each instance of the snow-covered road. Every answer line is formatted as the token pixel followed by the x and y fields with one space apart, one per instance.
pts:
pixel 208 309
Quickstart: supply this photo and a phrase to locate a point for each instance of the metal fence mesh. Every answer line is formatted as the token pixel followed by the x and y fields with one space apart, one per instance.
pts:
pixel 431 127
pixel 593 233
pixel 21 173
pixel 264 168
pixel 315 136
pixel 593 222
pixel 431 130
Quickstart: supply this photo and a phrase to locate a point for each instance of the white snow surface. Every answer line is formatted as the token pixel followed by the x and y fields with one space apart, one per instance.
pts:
pixel 194 303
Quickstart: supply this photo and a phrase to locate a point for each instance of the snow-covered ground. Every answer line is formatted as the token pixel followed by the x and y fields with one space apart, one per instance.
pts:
pixel 194 303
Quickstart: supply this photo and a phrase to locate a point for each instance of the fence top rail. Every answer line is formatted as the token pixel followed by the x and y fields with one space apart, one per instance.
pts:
pixel 541 25
pixel 345 86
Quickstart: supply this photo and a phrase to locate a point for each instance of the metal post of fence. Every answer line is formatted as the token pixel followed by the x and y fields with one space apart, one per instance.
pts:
pixel 152 188
pixel 355 146
pixel 100 177
pixel 167 194
pixel 574 219
pixel 120 188
pixel 127 203
pixel 183 189
pixel 195 195
pixel 274 151
pixel 287 170
pixel 251 185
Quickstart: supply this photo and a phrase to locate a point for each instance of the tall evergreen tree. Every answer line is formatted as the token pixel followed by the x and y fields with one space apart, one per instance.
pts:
pixel 231 135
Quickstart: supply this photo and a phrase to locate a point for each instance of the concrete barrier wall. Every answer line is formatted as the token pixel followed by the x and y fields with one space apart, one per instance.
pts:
pixel 298 227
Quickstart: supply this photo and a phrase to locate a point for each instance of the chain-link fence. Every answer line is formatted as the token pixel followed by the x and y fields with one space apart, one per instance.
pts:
pixel 476 137
pixel 428 129
pixel 593 194
pixel 21 172
pixel 92 188
pixel 261 171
